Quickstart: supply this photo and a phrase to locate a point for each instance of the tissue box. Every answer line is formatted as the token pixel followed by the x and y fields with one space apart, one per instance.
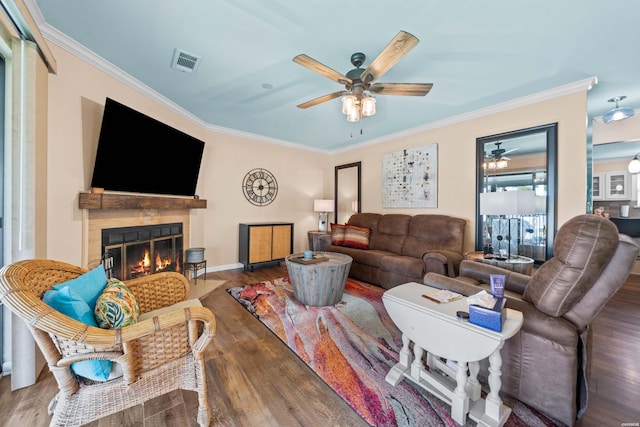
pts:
pixel 490 318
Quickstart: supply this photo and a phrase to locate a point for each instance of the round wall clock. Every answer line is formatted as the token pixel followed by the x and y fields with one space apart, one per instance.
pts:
pixel 260 187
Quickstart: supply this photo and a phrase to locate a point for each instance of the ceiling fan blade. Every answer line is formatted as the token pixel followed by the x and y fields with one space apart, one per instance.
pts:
pixel 322 99
pixel 399 46
pixel 313 65
pixel 407 89
pixel 510 151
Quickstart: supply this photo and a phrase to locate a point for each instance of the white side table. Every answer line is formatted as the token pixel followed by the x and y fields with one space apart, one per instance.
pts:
pixel 434 328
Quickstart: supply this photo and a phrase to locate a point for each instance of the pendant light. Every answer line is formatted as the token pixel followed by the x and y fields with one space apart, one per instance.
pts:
pixel 618 113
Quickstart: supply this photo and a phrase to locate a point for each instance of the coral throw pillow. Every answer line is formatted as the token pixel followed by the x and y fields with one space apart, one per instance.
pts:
pixel 356 237
pixel 116 307
pixel 337 234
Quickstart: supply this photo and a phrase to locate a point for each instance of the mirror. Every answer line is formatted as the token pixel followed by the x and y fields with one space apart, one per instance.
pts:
pixel 347 191
pixel 522 224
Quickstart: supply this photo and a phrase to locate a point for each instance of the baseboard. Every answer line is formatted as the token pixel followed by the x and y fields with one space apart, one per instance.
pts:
pixel 224 267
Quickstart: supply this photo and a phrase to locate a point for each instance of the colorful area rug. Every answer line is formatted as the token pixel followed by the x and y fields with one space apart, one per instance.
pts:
pixel 352 346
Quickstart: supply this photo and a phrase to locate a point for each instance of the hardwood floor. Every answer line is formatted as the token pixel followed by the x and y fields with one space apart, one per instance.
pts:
pixel 254 379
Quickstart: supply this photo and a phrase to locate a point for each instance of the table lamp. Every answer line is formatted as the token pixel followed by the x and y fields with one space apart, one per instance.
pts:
pixel 507 203
pixel 323 207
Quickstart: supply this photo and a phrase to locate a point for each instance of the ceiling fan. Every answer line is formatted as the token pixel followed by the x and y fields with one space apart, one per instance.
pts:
pixel 359 83
pixel 498 153
pixel 496 159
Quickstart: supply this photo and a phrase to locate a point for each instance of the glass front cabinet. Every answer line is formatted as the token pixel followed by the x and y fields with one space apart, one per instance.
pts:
pixel 614 185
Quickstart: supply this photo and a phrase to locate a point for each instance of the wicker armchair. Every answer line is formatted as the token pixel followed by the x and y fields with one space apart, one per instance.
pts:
pixel 157 355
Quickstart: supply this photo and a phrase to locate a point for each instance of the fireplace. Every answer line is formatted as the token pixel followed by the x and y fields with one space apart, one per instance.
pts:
pixel 142 250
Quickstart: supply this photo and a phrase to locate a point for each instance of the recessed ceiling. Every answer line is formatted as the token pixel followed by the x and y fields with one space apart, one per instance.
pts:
pixel 476 54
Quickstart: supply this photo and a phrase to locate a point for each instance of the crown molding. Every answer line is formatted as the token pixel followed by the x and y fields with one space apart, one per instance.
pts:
pixel 65 42
pixel 567 89
pixel 90 57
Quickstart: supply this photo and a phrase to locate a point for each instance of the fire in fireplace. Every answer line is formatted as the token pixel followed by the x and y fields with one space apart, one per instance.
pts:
pixel 143 250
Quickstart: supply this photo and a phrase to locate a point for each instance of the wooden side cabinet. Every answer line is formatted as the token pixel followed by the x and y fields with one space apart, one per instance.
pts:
pixel 264 242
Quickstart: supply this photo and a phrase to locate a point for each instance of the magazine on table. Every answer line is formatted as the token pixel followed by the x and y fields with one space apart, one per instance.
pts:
pixel 442 296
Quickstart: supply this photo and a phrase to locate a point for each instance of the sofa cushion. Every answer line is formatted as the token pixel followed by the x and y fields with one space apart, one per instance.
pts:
pixel 369 220
pixel 337 234
pixel 390 233
pixel 433 232
pixel 356 237
pixel 409 266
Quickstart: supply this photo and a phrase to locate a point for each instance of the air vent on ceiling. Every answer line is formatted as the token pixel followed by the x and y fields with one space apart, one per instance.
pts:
pixel 185 61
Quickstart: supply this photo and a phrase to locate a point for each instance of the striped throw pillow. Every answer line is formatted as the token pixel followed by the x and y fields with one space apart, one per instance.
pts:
pixel 356 237
pixel 337 234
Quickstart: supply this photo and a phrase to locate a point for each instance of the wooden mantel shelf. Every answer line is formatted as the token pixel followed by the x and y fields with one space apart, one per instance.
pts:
pixel 122 201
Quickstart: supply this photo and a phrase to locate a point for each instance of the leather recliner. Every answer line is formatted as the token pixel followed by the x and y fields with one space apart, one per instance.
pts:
pixel 546 365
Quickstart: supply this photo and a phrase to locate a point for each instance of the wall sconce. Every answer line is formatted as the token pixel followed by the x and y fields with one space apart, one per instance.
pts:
pixel 323 207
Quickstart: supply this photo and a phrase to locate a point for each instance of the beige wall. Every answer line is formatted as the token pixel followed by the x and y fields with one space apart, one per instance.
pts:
pixel 456 159
pixel 77 96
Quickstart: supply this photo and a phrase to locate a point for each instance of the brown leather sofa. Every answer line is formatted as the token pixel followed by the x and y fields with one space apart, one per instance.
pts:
pixel 546 364
pixel 403 248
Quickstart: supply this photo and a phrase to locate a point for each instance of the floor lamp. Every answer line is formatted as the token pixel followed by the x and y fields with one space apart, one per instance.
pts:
pixel 507 203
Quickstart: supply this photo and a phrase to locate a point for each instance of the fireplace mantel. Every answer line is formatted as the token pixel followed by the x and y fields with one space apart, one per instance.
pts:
pixel 124 201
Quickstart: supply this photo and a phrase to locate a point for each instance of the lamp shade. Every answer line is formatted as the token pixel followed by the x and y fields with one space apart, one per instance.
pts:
pixel 516 202
pixel 323 205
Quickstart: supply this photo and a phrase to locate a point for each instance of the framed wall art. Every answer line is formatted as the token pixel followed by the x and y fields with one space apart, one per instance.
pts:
pixel 410 178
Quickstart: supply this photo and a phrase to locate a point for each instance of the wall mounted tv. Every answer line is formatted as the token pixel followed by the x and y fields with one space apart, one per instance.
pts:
pixel 139 154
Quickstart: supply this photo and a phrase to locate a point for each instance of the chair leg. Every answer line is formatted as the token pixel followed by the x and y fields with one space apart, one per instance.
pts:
pixel 52 405
pixel 204 417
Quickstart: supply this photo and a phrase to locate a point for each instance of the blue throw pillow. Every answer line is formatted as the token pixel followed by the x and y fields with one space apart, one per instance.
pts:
pixel 88 286
pixel 71 304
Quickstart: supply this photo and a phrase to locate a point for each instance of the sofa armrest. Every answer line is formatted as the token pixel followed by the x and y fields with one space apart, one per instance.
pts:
pixel 482 272
pixel 450 283
pixel 443 262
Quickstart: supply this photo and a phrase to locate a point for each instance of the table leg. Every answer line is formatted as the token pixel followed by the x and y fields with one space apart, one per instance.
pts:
pixel 473 385
pixel 396 374
pixel 416 366
pixel 460 399
pixel 494 409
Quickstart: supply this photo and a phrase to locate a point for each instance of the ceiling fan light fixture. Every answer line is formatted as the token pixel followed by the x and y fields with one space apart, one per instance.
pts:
pixel 348 103
pixel 618 113
pixel 353 115
pixel 368 106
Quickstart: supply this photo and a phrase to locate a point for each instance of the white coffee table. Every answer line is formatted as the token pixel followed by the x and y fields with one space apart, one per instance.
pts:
pixel 434 328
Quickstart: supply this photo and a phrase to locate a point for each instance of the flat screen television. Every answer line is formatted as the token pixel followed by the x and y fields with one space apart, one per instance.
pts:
pixel 139 154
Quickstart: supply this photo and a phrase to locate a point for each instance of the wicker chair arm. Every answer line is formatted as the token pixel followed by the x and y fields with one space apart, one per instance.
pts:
pixel 169 320
pixel 113 356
